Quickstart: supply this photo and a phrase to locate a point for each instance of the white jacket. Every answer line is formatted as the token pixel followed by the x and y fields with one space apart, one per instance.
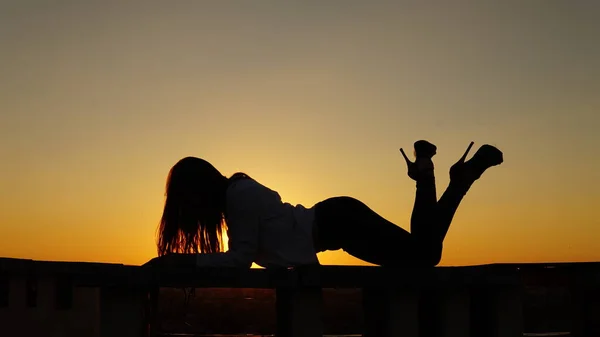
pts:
pixel 263 229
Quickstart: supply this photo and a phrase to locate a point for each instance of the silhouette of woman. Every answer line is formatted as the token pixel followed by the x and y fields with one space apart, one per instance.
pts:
pixel 201 203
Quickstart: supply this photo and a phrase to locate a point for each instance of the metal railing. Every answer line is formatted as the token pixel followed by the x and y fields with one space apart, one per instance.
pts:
pixel 44 298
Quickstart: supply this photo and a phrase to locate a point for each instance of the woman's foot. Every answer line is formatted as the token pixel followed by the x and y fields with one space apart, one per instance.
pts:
pixel 424 149
pixel 467 172
pixel 423 165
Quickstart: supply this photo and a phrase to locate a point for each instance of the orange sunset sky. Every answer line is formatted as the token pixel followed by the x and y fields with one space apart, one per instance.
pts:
pixel 313 98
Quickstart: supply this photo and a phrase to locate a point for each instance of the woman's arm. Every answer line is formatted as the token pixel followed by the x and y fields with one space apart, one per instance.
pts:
pixel 243 203
pixel 243 229
pixel 173 261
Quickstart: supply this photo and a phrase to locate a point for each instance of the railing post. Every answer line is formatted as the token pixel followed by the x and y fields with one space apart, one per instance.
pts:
pixel 299 311
pixel 122 312
pixel 391 312
pixel 150 312
pixel 497 311
pixel 4 289
pixel 444 312
pixel 63 289
pixel 585 310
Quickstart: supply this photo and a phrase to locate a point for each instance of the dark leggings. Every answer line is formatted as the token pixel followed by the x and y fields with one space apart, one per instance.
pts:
pixel 347 223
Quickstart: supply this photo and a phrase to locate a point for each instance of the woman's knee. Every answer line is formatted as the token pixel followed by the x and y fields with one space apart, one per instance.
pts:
pixel 435 259
pixel 431 255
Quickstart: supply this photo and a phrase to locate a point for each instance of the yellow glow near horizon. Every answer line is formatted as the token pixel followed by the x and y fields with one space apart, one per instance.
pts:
pixel 98 101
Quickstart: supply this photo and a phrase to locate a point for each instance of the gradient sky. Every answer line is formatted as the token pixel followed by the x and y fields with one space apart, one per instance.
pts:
pixel 98 99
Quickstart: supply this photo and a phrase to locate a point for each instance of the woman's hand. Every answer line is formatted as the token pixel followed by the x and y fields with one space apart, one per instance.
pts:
pixel 155 262
pixel 172 261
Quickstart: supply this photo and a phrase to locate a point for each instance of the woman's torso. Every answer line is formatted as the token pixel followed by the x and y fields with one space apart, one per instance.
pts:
pixel 285 230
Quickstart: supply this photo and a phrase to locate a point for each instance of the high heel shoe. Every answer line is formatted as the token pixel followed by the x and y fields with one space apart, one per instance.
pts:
pixel 471 170
pixel 423 165
pixel 424 149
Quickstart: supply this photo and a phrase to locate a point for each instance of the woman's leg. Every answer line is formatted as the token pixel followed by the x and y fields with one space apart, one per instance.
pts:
pixel 348 224
pixel 431 220
pixel 462 176
pixel 369 237
pixel 422 220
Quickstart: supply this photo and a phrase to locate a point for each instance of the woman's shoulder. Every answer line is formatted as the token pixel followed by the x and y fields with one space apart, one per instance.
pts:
pixel 239 184
pixel 248 190
pixel 243 186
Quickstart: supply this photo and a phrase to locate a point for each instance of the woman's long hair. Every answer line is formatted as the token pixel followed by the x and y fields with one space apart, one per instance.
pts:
pixel 193 218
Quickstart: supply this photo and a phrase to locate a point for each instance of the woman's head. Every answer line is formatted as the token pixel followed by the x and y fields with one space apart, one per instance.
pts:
pixel 192 219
